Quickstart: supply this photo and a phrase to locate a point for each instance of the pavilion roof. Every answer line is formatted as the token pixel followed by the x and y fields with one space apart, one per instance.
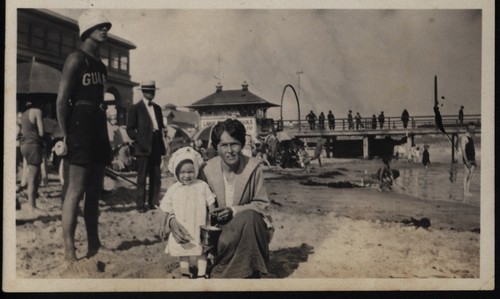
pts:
pixel 231 97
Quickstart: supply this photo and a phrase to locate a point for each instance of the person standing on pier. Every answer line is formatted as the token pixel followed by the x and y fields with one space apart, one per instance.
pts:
pixel 381 119
pixel 350 120
pixel 405 117
pixel 331 120
pixel 374 122
pixel 358 121
pixel 311 119
pixel 321 120
pixel 461 116
pixel 469 156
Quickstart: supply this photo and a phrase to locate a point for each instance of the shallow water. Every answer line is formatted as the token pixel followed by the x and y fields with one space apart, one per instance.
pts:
pixel 440 182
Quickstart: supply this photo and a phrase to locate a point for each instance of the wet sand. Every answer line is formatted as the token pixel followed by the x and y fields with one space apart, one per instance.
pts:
pixel 321 232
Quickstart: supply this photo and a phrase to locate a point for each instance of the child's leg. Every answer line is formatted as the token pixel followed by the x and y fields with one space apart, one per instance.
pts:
pixel 202 265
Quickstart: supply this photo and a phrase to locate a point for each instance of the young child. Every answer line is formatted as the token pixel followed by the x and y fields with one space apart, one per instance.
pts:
pixel 187 200
pixel 386 178
pixel 304 159
pixel 425 157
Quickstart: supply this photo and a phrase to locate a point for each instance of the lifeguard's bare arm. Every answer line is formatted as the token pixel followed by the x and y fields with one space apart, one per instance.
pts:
pixel 71 71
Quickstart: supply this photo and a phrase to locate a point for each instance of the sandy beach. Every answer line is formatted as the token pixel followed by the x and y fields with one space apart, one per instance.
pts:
pixel 321 232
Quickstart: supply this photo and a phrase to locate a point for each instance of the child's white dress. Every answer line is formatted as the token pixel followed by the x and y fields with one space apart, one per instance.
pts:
pixel 189 204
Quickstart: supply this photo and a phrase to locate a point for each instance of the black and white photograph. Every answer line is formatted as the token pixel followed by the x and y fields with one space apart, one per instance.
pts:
pixel 255 146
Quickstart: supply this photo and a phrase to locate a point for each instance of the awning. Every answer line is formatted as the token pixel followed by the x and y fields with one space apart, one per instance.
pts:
pixel 35 77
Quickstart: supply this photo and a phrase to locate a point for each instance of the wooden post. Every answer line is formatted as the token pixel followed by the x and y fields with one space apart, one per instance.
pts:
pixel 366 147
pixel 453 137
pixel 408 146
pixel 333 142
pixel 328 149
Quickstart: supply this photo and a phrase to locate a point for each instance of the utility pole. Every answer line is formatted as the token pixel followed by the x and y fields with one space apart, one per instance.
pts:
pixel 298 74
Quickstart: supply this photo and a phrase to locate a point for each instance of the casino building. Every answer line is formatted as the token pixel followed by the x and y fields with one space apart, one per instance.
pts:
pixel 48 37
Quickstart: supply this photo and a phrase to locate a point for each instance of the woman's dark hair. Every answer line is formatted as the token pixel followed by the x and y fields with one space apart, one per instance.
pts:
pixel 233 127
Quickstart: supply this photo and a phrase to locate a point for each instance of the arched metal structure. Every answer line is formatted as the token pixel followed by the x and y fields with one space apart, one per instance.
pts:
pixel 298 104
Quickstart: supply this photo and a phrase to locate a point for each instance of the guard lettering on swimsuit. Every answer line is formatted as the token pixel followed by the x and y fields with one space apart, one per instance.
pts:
pixel 93 78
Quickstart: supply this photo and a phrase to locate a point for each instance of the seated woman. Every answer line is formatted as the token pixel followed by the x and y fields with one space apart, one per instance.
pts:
pixel 238 184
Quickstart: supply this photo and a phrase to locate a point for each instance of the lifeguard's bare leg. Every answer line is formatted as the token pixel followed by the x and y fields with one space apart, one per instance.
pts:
pixel 93 192
pixel 76 187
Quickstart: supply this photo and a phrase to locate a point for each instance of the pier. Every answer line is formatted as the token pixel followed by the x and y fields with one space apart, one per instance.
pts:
pixel 393 128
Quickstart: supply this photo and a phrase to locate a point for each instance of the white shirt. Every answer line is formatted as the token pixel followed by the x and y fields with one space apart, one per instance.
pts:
pixel 229 188
pixel 151 111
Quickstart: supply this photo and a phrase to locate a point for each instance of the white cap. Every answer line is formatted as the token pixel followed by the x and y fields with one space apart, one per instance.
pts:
pixel 185 153
pixel 90 19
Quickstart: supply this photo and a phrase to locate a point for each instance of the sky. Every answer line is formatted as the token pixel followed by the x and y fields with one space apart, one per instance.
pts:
pixel 363 60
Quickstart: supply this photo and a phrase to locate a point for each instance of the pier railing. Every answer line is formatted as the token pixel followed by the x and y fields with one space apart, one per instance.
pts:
pixel 390 123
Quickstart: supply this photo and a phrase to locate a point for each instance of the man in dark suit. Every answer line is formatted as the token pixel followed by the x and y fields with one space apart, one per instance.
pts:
pixel 145 126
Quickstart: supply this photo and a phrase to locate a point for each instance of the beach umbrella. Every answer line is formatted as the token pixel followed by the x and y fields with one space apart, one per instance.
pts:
pixel 37 78
pixel 282 136
pixel 176 137
pixel 174 131
pixel 203 134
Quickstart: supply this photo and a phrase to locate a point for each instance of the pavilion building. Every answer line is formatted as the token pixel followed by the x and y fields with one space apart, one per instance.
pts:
pixel 241 104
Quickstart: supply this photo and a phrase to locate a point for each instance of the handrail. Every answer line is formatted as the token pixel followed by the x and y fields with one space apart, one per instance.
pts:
pixel 390 122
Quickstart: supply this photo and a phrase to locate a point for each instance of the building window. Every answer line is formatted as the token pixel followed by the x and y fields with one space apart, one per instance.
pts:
pixel 115 60
pixel 23 32
pixel 37 35
pixel 124 63
pixel 54 41
pixel 105 56
pixel 67 43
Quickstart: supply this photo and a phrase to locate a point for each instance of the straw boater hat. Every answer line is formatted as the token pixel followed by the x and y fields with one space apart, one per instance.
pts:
pixel 91 19
pixel 148 85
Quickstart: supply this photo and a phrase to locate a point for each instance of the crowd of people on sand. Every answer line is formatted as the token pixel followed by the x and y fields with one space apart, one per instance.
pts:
pixel 219 191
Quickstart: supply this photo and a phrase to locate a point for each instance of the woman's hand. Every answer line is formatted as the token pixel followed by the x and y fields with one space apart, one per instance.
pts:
pixel 180 234
pixel 223 215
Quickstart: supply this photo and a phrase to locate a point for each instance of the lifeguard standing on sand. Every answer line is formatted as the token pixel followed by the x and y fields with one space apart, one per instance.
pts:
pixel 82 119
